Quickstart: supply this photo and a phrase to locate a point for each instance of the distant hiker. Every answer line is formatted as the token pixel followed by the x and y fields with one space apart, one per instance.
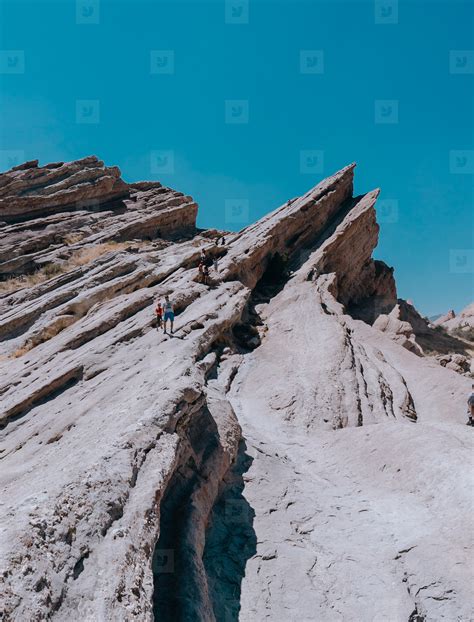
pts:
pixel 159 314
pixel 205 274
pixel 216 263
pixel 201 271
pixel 169 313
pixel 470 408
pixel 203 255
pixel 223 241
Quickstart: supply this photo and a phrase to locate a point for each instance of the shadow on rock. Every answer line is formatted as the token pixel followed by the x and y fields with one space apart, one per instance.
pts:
pixel 230 542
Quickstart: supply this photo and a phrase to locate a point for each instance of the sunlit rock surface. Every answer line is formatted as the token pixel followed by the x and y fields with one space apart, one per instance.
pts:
pixel 273 459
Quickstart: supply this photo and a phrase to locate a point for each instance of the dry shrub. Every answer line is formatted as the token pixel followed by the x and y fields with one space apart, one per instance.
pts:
pixel 90 253
pixel 73 238
pixel 79 258
pixel 21 351
pixel 29 280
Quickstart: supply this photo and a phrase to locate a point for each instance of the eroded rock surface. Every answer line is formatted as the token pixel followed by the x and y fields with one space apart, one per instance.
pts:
pixel 274 458
pixel 59 209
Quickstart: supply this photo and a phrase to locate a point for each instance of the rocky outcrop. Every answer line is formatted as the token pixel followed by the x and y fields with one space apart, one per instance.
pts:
pixel 62 208
pixel 451 349
pixel 242 467
pixel 462 323
pixel 456 362
pixel 398 326
pixel 450 315
pixel 28 189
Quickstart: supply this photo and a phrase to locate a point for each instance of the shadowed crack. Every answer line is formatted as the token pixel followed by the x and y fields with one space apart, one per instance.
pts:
pixel 230 542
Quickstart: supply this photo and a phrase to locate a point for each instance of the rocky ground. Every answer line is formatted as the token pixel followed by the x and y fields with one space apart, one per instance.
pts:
pixel 277 457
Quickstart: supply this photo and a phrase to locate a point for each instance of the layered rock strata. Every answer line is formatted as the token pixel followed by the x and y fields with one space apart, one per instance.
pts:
pixel 274 458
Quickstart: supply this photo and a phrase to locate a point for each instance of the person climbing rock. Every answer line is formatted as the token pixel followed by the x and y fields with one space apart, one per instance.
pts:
pixel 203 255
pixel 201 272
pixel 223 241
pixel 216 263
pixel 205 274
pixel 470 408
pixel 159 314
pixel 169 313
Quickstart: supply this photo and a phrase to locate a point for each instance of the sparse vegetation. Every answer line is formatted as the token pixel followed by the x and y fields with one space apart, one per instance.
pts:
pixel 79 258
pixel 463 332
pixel 73 238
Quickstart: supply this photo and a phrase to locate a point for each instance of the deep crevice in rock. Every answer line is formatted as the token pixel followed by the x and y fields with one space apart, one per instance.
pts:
pixel 179 581
pixel 230 541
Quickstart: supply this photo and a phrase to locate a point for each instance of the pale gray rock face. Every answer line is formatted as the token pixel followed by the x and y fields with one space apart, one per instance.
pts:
pixel 463 321
pixel 273 459
pixel 28 190
pixel 59 209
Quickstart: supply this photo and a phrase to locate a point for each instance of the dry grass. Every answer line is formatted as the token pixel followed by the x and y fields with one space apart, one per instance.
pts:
pixel 89 254
pixel 73 238
pixel 21 351
pixel 77 259
pixel 464 333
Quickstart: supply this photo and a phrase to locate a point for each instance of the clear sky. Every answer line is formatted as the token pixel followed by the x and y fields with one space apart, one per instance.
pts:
pixel 246 104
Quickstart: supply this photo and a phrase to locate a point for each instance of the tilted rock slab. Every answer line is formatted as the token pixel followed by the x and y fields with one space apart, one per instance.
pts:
pixel 273 459
pixel 59 209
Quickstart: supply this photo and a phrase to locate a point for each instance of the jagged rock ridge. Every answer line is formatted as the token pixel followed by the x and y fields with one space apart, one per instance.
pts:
pixel 271 451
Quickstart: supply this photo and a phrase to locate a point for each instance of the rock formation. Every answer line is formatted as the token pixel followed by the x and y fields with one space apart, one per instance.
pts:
pixel 463 322
pixel 275 458
pixel 60 208
pixel 450 315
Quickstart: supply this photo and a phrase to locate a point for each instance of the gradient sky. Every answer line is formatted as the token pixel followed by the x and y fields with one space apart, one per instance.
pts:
pixel 246 104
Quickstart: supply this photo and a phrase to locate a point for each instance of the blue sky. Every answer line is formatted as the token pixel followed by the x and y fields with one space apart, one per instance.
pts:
pixel 244 105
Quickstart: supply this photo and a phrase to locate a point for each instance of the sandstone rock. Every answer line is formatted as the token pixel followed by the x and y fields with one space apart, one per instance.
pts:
pixel 462 322
pixel 456 362
pixel 28 190
pixel 450 315
pixel 270 451
pixel 93 206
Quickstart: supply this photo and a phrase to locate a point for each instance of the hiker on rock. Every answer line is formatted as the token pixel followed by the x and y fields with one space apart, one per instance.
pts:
pixel 470 408
pixel 169 313
pixel 159 314
pixel 205 273
pixel 201 272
